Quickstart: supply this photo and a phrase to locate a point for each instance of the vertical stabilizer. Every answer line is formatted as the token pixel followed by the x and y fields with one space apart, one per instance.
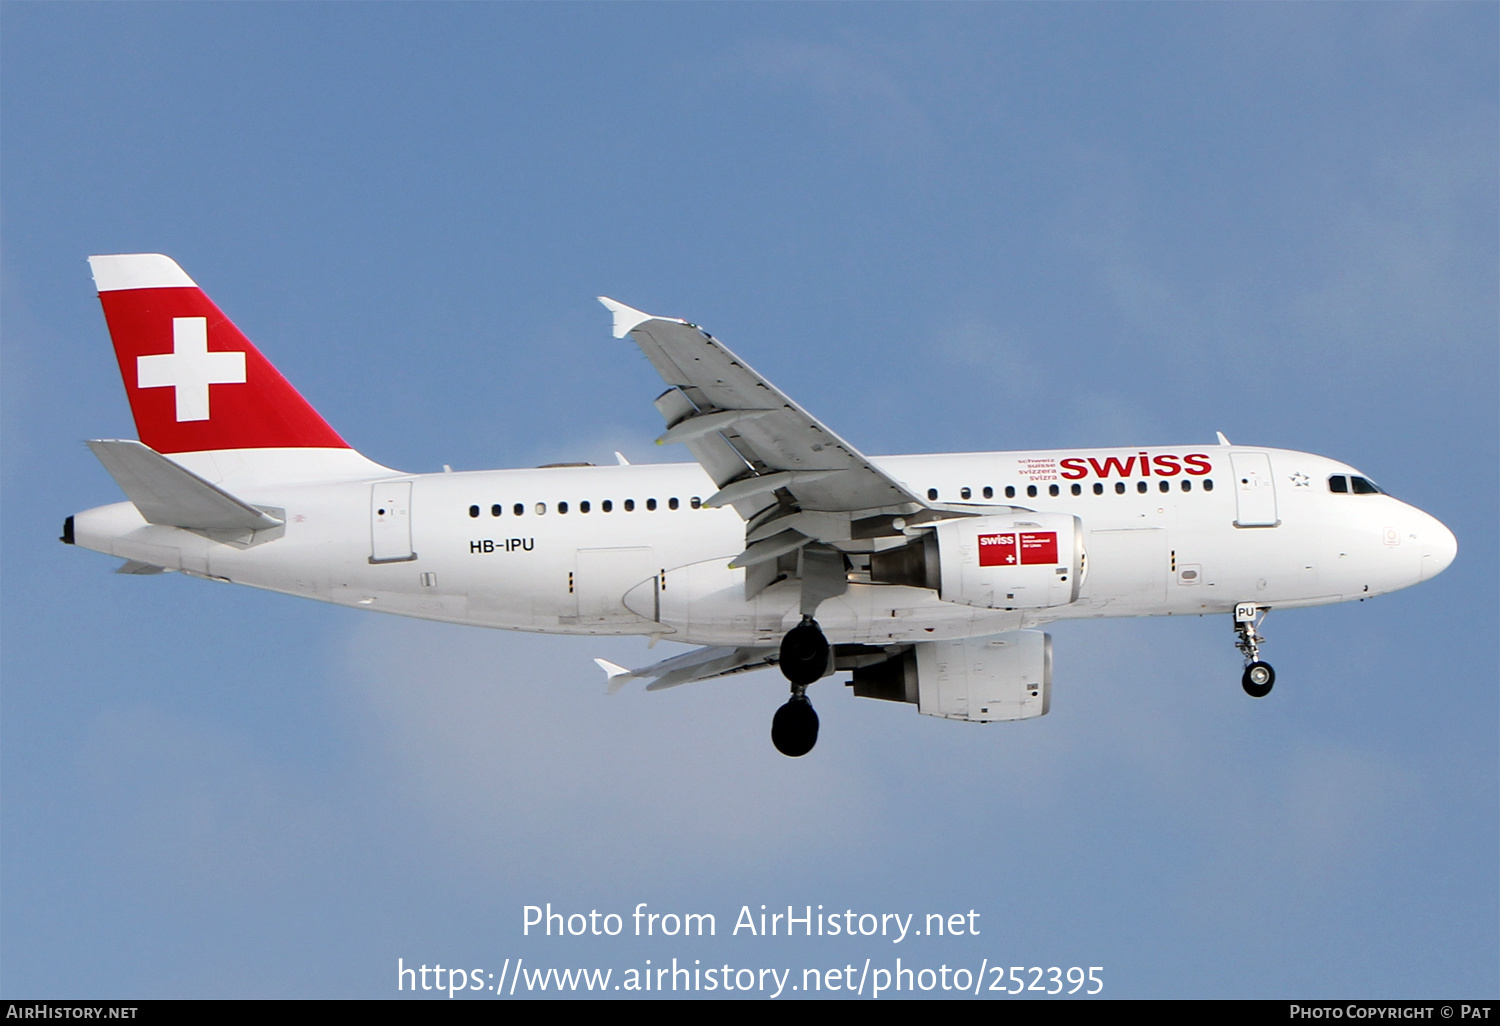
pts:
pixel 194 381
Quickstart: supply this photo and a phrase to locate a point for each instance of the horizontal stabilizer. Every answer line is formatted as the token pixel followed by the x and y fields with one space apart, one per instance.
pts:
pixel 167 494
pixel 691 667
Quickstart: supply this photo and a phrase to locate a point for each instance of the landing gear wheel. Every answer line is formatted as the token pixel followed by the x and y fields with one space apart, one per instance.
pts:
pixel 804 656
pixel 1258 679
pixel 794 728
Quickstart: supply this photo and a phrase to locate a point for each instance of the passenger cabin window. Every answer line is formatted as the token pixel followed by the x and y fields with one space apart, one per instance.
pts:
pixel 496 510
pixel 629 505
pixel 583 507
pixel 989 493
pixel 1098 488
pixel 1119 487
pixel 932 493
pixel 965 493
pixel 541 508
pixel 696 502
pixel 519 508
pixel 1010 491
pixel 562 507
pixel 1208 484
pixel 473 511
pixel 671 504
pixel 1187 485
pixel 1077 489
pixel 1052 489
pixel 1031 491
pixel 651 504
pixel 1140 486
pixel 607 505
pixel 1164 486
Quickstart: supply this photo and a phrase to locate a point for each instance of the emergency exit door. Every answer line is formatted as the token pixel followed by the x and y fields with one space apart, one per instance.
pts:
pixel 390 522
pixel 1255 490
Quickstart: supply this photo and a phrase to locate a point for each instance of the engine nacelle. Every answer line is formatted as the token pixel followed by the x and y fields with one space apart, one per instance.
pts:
pixel 1015 561
pixel 979 680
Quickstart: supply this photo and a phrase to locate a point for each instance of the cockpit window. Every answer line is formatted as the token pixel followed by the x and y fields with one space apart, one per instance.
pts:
pixel 1354 483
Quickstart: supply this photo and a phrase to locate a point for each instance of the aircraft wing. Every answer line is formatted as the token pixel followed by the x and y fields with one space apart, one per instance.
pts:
pixel 769 456
pixel 691 667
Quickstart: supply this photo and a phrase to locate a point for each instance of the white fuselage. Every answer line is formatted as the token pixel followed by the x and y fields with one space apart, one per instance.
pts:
pixel 630 550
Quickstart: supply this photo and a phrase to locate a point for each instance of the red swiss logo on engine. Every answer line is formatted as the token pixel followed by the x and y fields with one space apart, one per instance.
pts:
pixel 1023 547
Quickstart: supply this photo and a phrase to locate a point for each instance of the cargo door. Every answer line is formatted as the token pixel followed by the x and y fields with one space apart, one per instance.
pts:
pixel 390 522
pixel 1254 490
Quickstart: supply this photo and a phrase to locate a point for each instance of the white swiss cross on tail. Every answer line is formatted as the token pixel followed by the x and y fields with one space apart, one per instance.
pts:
pixel 190 368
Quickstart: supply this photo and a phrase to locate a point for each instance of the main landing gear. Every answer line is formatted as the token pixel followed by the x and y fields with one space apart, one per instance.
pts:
pixel 805 658
pixel 794 728
pixel 1259 678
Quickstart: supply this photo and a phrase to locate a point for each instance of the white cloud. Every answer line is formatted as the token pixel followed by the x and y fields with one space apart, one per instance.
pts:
pixel 505 747
pixel 859 86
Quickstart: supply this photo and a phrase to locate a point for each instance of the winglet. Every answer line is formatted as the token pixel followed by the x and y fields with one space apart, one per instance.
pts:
pixel 618 675
pixel 1222 439
pixel 626 318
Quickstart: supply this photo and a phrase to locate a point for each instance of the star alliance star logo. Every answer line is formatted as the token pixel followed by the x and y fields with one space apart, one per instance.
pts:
pixel 1301 480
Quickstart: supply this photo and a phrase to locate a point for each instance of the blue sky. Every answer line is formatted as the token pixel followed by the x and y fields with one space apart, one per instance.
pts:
pixel 940 228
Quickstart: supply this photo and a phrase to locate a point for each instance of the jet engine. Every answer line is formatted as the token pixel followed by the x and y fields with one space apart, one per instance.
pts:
pixel 1012 561
pixel 979 680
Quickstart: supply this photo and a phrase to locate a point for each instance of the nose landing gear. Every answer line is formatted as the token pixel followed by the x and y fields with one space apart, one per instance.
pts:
pixel 805 658
pixel 1258 678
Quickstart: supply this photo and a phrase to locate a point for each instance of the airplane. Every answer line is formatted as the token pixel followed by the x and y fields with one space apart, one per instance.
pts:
pixel 923 577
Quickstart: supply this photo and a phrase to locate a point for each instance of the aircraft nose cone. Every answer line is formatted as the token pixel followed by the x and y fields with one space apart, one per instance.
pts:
pixel 1438 548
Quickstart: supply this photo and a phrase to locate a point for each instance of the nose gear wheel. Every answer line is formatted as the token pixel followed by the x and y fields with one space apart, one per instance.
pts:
pixel 1258 678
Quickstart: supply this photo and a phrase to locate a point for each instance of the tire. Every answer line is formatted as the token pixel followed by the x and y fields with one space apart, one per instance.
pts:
pixel 794 728
pixel 1258 680
pixel 804 655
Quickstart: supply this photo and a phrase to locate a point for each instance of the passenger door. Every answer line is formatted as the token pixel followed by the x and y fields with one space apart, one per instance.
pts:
pixel 1255 490
pixel 390 522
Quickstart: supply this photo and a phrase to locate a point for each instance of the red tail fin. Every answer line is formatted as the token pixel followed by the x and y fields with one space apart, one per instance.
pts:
pixel 195 382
